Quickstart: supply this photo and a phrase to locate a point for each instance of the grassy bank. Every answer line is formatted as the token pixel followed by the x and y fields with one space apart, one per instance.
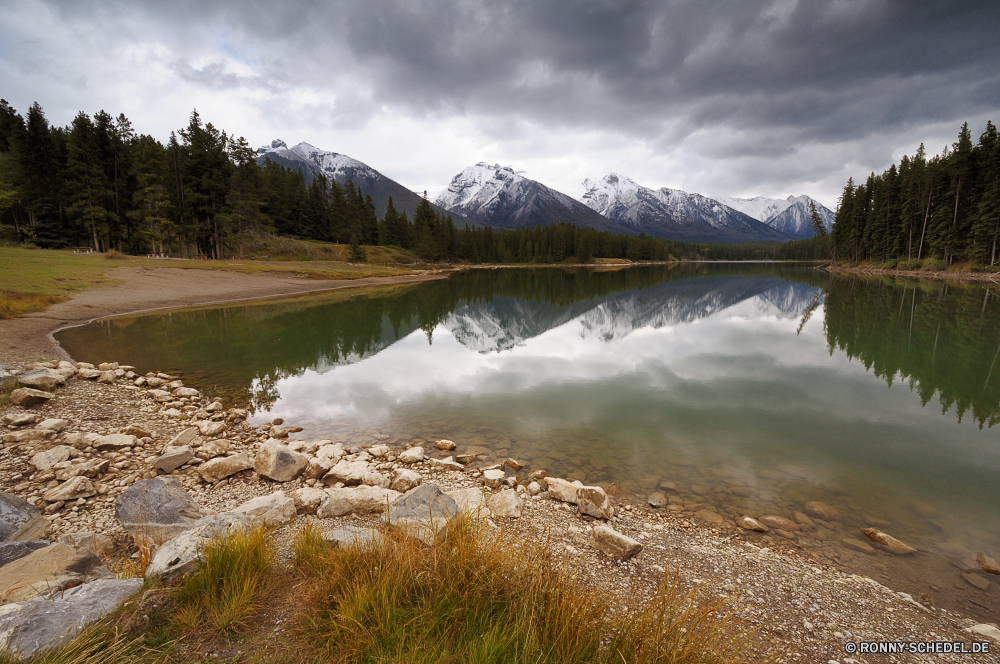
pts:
pixel 34 279
pixel 927 268
pixel 475 597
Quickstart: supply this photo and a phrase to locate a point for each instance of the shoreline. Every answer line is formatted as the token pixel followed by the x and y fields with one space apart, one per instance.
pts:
pixel 936 275
pixel 799 605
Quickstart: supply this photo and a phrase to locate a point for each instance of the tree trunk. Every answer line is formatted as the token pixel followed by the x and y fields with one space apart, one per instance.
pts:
pixel 924 230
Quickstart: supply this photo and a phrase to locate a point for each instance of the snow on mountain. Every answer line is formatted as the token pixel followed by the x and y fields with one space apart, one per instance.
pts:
pixel 672 213
pixel 331 164
pixel 789 215
pixel 504 198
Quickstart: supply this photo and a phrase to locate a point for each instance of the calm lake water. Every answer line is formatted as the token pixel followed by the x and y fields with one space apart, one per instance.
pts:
pixel 754 388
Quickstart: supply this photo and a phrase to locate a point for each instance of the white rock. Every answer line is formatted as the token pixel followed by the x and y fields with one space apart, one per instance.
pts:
pixel 351 473
pixel 353 500
pixel 182 554
pixel 115 442
pixel 50 457
pixel 561 489
pixel 308 499
pixel 592 500
pixel 222 467
pixel 412 455
pixel 989 631
pixel 471 501
pixel 614 543
pixel 53 424
pixel 379 451
pixel 272 510
pixel 277 462
pixel 405 479
pixel 493 477
pixel 448 464
pixel 505 504
pixel 185 437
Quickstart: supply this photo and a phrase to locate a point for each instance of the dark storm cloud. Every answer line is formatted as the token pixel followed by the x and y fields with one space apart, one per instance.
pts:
pixel 760 88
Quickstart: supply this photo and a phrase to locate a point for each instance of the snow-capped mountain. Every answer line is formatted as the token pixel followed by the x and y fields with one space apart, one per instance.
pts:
pixel 501 323
pixel 503 198
pixel 671 213
pixel 312 161
pixel 789 215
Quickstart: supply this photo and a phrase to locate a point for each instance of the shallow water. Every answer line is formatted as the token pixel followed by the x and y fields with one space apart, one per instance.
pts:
pixel 752 388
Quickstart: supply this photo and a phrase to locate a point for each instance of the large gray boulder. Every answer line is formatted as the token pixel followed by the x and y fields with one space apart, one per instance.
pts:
pixel 156 510
pixel 182 554
pixel 423 512
pixel 11 551
pixel 20 520
pixel 38 625
pixel 277 462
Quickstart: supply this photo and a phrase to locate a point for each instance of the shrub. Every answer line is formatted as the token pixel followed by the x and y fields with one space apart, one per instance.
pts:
pixel 226 589
pixel 115 255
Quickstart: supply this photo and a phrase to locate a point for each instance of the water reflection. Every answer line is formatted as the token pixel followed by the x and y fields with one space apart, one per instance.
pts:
pixel 735 386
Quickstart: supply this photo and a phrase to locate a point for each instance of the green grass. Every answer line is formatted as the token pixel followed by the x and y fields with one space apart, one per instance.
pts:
pixel 478 597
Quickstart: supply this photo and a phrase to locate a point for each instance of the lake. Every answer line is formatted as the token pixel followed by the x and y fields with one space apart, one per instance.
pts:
pixel 752 388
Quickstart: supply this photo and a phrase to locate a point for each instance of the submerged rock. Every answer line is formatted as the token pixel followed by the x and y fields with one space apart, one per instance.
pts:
pixel 888 541
pixel 749 523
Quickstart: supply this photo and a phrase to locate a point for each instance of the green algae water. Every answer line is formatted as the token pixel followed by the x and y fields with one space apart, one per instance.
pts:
pixel 744 389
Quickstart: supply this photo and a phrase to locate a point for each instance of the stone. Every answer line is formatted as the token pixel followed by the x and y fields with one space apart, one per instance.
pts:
pixel 27 436
pixel 214 407
pixel 20 521
pixel 493 477
pixel 422 512
pixel 593 501
pixel 45 460
pixel 858 545
pixel 308 499
pixel 137 430
pixel 375 478
pixel 983 629
pixel 513 464
pixel 156 510
pixel 822 511
pixel 351 536
pixel 72 489
pixel 186 392
pixel 614 543
pixel 709 516
pixel 20 419
pixel 182 554
pixel 318 467
pixel 743 491
pixel 802 519
pixel 115 442
pixel 405 479
pixel 466 459
pixel 504 504
pixel 42 379
pixel 90 468
pixel 11 551
pixel 48 571
pixel 355 500
pixel 54 424
pixel 303 446
pixel 89 374
pixel 209 449
pixel 448 464
pixel 185 437
pixel 412 455
pixel 277 462
pixel 561 489
pixel 987 564
pixel 350 473
pixel 538 474
pixel 749 523
pixel 379 451
pixel 210 429
pixel 106 377
pixel 33 627
pixel 781 522
pixel 174 414
pixel 888 541
pixel 101 546
pixel 657 499
pixel 980 582
pixel 65 365
pixel 26 396
pixel 273 510
pixel 445 445
pixel 470 501
pixel 173 458
pixel 222 467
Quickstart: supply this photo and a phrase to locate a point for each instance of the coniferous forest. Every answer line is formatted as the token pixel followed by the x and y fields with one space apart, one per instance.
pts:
pixel 99 183
pixel 946 208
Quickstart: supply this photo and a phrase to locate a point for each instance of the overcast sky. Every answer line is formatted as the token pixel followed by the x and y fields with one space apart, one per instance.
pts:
pixel 738 97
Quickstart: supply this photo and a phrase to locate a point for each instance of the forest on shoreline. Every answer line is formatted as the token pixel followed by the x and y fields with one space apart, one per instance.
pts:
pixel 100 184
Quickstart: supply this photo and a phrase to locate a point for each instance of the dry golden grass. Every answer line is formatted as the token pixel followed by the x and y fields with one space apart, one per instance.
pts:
pixel 94 645
pixel 14 304
pixel 226 590
pixel 477 597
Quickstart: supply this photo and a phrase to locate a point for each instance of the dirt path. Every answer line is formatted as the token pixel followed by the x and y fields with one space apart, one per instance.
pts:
pixel 142 289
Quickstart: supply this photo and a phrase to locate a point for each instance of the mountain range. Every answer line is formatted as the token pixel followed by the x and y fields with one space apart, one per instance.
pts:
pixel 500 197
pixel 312 161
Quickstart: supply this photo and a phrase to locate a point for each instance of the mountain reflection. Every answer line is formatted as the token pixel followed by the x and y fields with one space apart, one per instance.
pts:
pixel 941 339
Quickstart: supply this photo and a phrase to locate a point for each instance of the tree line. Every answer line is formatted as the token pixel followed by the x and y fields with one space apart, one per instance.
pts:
pixel 99 183
pixel 945 208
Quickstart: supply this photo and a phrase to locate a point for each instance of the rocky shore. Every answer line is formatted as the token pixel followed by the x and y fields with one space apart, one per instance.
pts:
pixel 103 470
